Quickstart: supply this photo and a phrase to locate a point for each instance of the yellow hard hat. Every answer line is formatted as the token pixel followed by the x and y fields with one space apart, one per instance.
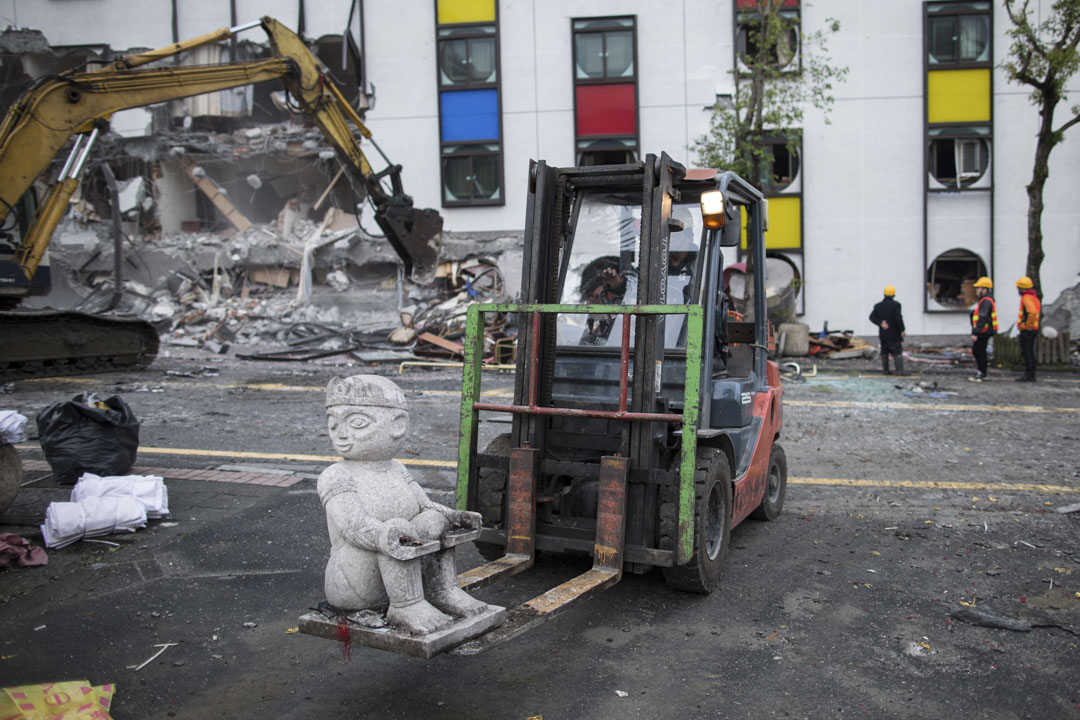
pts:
pixel 985 282
pixel 890 291
pixel 1025 283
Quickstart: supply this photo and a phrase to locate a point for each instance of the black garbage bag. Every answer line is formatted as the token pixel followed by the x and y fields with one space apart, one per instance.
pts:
pixel 86 434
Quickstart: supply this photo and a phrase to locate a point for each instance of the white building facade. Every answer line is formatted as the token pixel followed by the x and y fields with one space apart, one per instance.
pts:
pixel 916 179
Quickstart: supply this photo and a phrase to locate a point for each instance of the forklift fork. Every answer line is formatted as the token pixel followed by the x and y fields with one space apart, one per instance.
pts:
pixel 521 525
pixel 521 549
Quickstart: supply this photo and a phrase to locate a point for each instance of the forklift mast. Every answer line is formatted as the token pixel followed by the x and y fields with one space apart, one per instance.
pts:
pixel 620 356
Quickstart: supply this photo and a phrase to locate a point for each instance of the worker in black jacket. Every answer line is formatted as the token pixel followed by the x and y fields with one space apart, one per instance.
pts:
pixel 890 322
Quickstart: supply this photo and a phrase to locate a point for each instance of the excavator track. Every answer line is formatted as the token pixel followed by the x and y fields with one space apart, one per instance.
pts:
pixel 50 344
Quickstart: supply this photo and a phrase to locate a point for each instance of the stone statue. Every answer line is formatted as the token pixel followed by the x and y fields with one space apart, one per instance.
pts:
pixel 388 540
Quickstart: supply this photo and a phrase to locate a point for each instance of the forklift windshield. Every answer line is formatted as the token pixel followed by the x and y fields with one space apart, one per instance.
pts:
pixel 603 263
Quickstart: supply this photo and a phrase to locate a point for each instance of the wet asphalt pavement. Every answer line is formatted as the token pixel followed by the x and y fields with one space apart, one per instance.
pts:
pixel 902 508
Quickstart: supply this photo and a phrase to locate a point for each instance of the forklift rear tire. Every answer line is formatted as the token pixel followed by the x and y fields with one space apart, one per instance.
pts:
pixel 491 495
pixel 775 486
pixel 712 526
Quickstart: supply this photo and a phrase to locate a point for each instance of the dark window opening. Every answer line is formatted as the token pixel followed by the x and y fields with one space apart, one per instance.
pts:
pixel 781 167
pixel 950 279
pixel 344 65
pixel 781 53
pixel 959 162
pixel 607 153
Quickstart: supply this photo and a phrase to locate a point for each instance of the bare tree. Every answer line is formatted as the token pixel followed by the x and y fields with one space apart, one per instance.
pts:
pixel 1044 57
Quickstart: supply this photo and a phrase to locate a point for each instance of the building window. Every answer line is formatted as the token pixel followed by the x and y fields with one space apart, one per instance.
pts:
pixel 784 53
pixel 951 277
pixel 470 117
pixel 959 162
pixel 604 49
pixel 958 33
pixel 467 56
pixel 605 90
pixel 781 166
pixel 471 173
pixel 606 152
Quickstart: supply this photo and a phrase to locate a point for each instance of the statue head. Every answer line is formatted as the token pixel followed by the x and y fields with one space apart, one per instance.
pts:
pixel 367 417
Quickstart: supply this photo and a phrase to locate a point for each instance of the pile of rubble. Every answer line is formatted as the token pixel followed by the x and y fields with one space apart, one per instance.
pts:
pixel 289 290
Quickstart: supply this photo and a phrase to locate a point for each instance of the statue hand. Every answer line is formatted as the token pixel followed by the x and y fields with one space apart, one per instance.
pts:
pixel 396 535
pixel 465 519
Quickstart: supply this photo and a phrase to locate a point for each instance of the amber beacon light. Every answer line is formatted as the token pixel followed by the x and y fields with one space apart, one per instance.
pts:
pixel 712 209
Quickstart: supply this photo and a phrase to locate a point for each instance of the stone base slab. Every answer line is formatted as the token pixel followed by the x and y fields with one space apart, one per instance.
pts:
pixel 394 639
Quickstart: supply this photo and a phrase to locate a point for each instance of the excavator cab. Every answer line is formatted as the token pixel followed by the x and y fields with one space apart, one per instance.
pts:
pixel 14 284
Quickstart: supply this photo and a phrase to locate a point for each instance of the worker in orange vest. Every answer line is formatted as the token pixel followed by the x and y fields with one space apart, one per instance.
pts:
pixel 1027 322
pixel 984 325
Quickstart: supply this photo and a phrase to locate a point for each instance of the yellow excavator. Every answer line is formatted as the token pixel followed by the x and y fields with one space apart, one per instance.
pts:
pixel 80 104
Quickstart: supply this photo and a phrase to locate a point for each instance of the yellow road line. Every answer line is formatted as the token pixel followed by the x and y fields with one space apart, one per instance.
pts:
pixel 935 484
pixel 281 387
pixel 509 392
pixel 451 464
pixel 240 454
pixel 931 406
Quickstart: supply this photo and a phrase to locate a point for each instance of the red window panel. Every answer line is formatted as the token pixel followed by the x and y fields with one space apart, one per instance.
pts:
pixel 606 109
pixel 753 4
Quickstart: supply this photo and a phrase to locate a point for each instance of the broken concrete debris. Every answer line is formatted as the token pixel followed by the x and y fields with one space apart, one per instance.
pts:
pixel 986 617
pixel 246 288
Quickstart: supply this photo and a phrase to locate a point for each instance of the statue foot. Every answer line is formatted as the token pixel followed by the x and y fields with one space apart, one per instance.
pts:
pixel 420 618
pixel 455 601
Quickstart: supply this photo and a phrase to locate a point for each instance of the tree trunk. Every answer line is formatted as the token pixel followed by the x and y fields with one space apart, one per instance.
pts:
pixel 1040 172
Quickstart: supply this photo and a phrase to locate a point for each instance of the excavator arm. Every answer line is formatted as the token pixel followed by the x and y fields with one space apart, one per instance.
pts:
pixel 47 115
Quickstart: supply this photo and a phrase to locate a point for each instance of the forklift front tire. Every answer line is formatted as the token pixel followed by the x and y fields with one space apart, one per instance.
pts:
pixel 712 527
pixel 772 502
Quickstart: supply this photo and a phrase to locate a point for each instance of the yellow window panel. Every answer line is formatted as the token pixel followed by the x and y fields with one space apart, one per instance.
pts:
pixel 466 11
pixel 958 95
pixel 785 224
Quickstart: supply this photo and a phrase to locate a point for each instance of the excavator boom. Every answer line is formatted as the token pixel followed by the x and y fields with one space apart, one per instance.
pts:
pixel 44 118
pixel 57 107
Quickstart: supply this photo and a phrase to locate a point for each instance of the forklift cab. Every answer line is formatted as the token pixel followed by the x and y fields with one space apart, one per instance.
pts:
pixel 603 252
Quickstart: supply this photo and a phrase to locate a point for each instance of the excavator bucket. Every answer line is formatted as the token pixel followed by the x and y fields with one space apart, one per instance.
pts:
pixel 416 236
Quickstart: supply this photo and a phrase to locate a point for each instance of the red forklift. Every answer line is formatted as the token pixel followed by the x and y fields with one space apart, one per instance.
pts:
pixel 646 414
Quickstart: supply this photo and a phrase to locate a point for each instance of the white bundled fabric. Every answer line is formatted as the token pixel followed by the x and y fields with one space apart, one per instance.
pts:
pixel 67 522
pixel 12 426
pixel 150 490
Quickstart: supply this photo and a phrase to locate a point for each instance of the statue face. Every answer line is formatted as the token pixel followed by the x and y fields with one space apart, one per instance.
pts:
pixel 360 432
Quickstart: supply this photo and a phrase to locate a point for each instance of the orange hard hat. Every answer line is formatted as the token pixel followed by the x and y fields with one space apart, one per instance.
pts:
pixel 985 282
pixel 1025 283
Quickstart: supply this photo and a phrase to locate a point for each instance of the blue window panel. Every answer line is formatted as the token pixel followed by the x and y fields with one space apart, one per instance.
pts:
pixel 469 115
